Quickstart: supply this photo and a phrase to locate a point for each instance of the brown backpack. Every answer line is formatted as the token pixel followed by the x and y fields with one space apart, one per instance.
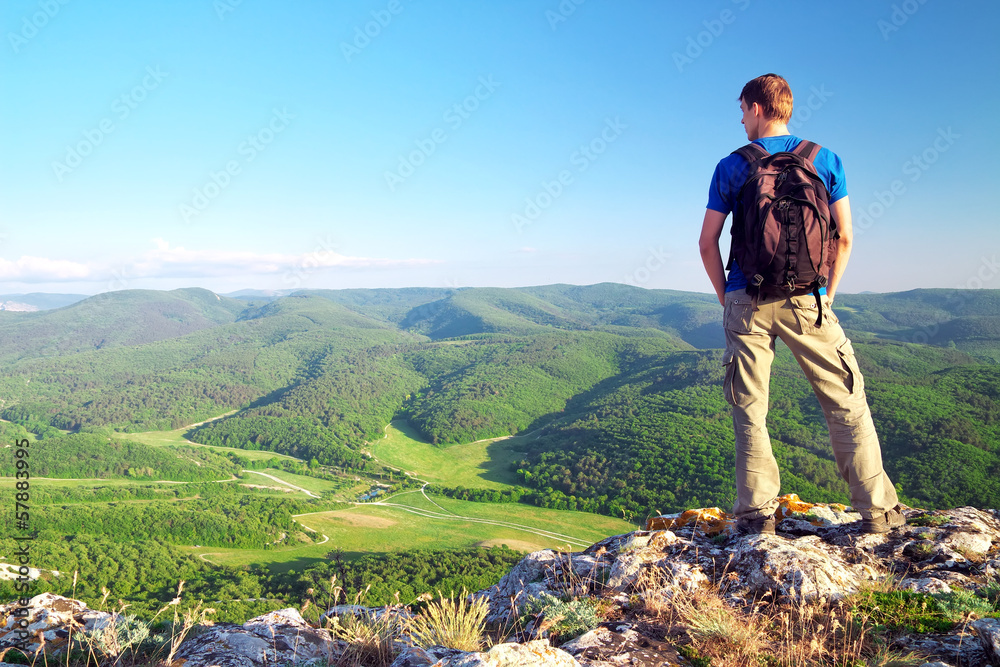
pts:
pixel 784 238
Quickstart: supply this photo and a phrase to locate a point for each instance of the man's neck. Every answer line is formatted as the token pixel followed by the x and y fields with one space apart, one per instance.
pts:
pixel 774 130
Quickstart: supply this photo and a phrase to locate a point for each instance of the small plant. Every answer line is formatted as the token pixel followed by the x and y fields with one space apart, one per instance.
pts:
pixel 904 610
pixel 125 634
pixel 929 519
pixel 692 654
pixel 565 620
pixel 454 624
pixel 961 606
pixel 919 549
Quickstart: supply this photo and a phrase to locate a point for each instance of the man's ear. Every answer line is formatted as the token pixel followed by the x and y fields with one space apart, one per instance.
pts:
pixel 757 110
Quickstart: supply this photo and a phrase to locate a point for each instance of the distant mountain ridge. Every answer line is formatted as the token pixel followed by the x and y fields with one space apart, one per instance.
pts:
pixel 37 301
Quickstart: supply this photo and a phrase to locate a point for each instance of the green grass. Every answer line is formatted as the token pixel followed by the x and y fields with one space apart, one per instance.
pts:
pixel 484 464
pixel 371 528
pixel 176 438
pixel 309 483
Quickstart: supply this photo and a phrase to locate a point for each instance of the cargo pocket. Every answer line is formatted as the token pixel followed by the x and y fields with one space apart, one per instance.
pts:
pixel 738 315
pixel 855 382
pixel 806 313
pixel 828 311
pixel 729 361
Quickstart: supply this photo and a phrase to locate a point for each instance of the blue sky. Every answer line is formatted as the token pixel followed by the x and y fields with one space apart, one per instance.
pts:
pixel 379 143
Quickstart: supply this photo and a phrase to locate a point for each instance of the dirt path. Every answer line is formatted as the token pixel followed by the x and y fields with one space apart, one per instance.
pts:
pixel 231 412
pixel 281 481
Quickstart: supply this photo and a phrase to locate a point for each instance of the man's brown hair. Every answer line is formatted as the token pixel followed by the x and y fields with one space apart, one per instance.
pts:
pixel 772 93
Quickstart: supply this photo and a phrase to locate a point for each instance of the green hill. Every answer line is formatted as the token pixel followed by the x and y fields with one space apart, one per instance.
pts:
pixel 113 319
pixel 621 384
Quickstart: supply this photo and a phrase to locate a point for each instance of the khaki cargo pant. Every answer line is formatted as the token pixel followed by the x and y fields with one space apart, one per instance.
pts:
pixel 827 358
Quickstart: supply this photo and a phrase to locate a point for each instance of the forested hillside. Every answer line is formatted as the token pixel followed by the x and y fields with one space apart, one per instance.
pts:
pixel 619 386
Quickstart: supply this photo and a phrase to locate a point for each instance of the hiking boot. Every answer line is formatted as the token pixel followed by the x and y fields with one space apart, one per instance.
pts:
pixel 883 522
pixel 764 525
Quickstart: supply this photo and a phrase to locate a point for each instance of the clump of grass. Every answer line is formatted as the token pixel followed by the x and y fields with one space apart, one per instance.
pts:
pixel 843 632
pixel 452 623
pixel 371 637
pixel 724 635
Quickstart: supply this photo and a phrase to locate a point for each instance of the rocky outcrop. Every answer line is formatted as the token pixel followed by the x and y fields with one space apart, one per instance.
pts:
pixel 279 637
pixel 49 622
pixel 819 554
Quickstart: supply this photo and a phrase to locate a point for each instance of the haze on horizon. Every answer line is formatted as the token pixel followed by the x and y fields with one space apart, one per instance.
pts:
pixel 386 143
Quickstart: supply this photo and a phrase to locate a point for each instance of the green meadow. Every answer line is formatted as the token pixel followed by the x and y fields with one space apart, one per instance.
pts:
pixel 176 438
pixel 482 464
pixel 378 528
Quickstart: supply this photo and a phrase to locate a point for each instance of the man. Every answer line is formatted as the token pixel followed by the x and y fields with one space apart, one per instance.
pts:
pixel 818 343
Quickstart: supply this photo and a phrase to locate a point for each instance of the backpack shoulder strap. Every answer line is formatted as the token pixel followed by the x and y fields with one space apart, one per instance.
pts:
pixel 751 152
pixel 807 150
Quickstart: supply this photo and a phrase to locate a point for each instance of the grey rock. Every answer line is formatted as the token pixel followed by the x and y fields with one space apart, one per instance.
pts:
pixel 988 632
pixel 51 617
pixel 800 569
pixel 281 637
pixel 924 585
pixel 530 654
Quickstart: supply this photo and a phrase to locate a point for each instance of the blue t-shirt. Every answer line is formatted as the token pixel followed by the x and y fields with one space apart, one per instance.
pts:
pixel 731 173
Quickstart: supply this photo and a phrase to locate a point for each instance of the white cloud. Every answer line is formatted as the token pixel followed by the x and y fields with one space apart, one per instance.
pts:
pixel 179 262
pixel 30 269
pixel 165 261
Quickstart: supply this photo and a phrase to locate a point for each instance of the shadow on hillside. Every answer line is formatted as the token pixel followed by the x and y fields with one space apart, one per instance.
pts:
pixel 266 399
pixel 679 370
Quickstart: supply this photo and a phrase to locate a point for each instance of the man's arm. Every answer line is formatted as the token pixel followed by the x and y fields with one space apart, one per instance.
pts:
pixel 841 210
pixel 711 256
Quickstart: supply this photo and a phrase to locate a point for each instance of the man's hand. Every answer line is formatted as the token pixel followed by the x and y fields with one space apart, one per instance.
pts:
pixel 711 256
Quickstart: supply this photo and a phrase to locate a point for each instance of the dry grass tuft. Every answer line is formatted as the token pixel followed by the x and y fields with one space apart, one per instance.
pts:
pixel 454 624
pixel 815 633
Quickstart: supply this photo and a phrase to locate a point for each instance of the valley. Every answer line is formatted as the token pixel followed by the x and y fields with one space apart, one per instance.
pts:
pixel 253 448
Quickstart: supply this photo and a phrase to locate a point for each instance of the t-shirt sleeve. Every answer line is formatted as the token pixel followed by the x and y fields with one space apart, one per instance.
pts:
pixel 726 181
pixel 831 169
pixel 716 198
